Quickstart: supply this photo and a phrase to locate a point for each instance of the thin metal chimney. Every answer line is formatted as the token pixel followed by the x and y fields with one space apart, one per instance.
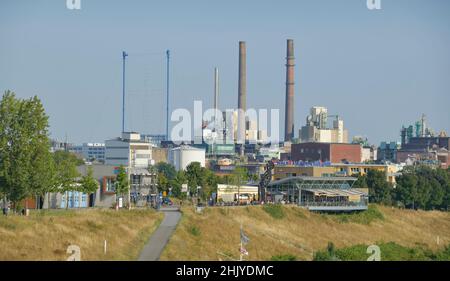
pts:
pixel 216 89
pixel 289 107
pixel 242 93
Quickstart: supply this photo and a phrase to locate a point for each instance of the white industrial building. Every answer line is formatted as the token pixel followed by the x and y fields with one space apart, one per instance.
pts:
pixel 317 130
pixel 180 157
pixel 129 151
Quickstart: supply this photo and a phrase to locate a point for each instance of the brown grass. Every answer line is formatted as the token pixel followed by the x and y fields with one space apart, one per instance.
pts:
pixel 45 235
pixel 298 233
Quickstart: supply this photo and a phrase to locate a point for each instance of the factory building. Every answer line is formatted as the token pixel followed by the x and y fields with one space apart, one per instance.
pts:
pixel 326 152
pixel 420 145
pixel 433 150
pixel 368 154
pixel 129 151
pixel 317 129
pixel 180 157
pixel 387 152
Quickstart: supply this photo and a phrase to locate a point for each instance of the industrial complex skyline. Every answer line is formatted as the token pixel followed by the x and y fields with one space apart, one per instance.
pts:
pixel 378 70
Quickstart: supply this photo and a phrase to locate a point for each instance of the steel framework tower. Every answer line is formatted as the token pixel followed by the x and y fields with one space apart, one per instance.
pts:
pixel 124 55
pixel 167 94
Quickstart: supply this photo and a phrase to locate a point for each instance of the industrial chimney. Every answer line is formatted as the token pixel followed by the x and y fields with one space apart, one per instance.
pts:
pixel 242 94
pixel 289 107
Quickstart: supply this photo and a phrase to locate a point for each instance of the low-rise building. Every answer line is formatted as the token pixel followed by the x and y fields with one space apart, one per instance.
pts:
pixel 142 185
pixel 229 193
pixel 90 151
pixel 281 171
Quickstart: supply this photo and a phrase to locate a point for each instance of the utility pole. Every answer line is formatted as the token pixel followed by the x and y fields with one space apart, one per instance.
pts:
pixel 124 55
pixel 167 93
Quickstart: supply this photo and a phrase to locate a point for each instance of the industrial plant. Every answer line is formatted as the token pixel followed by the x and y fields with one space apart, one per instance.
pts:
pixel 315 170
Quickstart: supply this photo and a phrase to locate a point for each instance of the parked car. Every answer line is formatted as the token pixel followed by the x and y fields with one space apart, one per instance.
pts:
pixel 167 201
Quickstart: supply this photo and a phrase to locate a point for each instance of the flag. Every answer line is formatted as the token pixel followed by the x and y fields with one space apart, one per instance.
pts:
pixel 244 251
pixel 244 238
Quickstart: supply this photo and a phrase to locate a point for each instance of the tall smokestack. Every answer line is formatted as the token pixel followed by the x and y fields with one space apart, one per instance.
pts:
pixel 289 108
pixel 242 93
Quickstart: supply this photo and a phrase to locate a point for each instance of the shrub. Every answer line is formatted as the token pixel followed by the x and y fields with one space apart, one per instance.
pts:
pixel 194 230
pixel 365 217
pixel 390 251
pixel 285 257
pixel 276 211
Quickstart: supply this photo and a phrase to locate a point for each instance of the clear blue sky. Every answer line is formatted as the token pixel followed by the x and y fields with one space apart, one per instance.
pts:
pixel 376 69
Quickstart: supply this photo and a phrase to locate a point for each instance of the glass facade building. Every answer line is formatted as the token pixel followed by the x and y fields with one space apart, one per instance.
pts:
pixel 318 193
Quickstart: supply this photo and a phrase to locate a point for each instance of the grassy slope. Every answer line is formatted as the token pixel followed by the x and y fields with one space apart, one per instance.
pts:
pixel 299 232
pixel 46 235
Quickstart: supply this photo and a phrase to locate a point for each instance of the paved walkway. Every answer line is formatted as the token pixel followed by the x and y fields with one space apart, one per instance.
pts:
pixel 161 236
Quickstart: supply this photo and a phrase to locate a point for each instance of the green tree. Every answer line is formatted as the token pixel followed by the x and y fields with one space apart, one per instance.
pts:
pixel 167 169
pixel 406 190
pixel 163 182
pixel 66 173
pixel 361 181
pixel 194 176
pixel 177 183
pixel 43 178
pixel 24 148
pixel 380 191
pixel 238 178
pixel 422 187
pixel 210 183
pixel 122 182
pixel 88 183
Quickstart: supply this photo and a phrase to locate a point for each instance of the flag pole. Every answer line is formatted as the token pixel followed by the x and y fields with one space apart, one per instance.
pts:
pixel 240 249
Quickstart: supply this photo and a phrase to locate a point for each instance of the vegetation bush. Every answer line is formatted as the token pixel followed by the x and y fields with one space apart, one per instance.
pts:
pixel 390 251
pixel 194 230
pixel 418 187
pixel 276 211
pixel 284 257
pixel 365 217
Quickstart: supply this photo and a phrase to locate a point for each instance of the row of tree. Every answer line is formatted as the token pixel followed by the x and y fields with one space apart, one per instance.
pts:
pixel 27 167
pixel 196 176
pixel 418 187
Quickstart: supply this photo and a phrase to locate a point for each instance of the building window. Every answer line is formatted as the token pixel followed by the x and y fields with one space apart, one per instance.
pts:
pixel 109 185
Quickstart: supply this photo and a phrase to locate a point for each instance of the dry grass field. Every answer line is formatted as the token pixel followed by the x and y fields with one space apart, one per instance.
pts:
pixel 298 232
pixel 45 235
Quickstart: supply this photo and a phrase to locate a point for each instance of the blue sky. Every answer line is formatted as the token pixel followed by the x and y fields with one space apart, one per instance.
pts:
pixel 377 69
